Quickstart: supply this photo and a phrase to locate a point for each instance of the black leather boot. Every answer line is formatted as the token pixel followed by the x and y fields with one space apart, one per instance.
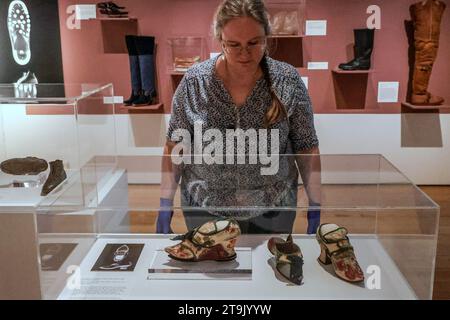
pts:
pixel 132 99
pixel 56 176
pixel 364 39
pixel 144 99
pixel 145 47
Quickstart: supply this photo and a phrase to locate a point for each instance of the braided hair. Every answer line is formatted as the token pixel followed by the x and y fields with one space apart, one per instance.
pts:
pixel 277 111
pixel 230 9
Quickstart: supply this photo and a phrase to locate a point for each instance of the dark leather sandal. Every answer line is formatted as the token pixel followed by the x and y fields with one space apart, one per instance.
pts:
pixel 289 258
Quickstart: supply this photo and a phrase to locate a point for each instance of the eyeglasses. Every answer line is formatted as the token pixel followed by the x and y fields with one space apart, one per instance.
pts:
pixel 236 48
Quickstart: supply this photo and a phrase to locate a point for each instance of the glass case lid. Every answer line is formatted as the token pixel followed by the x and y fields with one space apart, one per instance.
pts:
pixel 48 93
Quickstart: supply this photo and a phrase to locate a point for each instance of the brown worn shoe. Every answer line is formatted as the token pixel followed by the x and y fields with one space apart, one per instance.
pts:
pixel 24 166
pixel 289 258
pixel 56 176
pixel 426 100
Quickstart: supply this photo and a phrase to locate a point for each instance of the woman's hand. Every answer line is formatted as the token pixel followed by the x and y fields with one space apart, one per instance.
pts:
pixel 164 216
pixel 313 219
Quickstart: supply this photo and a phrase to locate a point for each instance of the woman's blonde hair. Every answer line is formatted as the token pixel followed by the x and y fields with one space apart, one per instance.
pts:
pixel 230 9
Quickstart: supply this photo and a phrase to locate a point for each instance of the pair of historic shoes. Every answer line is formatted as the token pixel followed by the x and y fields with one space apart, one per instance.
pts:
pixel 335 249
pixel 214 240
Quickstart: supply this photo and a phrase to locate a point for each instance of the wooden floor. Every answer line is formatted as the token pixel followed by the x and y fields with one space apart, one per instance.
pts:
pixel 145 196
pixel 441 194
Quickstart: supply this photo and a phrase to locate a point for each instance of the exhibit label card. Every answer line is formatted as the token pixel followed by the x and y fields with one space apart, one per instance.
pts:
pixel 85 11
pixel 316 27
pixel 305 81
pixel 213 54
pixel 317 65
pixel 388 92
pixel 111 100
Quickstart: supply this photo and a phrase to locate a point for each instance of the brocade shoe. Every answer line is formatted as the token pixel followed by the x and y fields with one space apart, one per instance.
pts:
pixel 214 240
pixel 336 249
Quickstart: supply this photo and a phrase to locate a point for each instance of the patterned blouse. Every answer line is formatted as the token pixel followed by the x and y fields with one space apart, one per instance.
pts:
pixel 201 98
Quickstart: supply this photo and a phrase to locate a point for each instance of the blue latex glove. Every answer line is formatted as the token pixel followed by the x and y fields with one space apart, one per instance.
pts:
pixel 164 216
pixel 313 220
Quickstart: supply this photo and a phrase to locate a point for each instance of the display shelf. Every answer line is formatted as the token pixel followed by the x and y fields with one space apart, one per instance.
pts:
pixel 421 107
pixel 176 77
pixel 118 19
pixel 286 36
pixel 356 111
pixel 154 108
pixel 339 71
pixel 287 49
pixel 177 73
pixel 350 89
pixel 265 283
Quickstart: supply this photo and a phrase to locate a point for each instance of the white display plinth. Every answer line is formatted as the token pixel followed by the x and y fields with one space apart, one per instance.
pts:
pixel 319 282
pixel 165 268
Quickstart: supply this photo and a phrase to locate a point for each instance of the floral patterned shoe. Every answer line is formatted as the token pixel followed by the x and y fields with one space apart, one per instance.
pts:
pixel 289 258
pixel 214 240
pixel 336 249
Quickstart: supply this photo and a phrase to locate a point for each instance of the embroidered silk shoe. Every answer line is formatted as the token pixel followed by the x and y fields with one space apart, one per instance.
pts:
pixel 289 258
pixel 336 249
pixel 214 240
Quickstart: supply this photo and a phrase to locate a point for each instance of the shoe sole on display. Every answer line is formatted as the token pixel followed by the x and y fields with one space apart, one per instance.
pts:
pixel 233 257
pixel 19 26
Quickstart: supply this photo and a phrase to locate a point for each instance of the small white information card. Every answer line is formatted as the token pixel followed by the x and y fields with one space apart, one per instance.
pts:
pixel 316 27
pixel 85 11
pixel 388 92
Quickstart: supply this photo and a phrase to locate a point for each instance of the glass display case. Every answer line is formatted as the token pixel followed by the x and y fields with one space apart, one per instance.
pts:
pixel 184 52
pixel 57 147
pixel 287 18
pixel 68 128
pixel 390 226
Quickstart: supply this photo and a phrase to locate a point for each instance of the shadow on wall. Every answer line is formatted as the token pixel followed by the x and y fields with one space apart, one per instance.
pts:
pixel 419 128
pixel 147 131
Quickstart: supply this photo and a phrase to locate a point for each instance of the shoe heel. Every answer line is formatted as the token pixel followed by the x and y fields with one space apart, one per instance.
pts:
pixel 226 251
pixel 324 257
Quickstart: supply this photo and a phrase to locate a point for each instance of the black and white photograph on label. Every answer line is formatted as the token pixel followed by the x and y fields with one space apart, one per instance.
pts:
pixel 53 255
pixel 118 257
pixel 29 40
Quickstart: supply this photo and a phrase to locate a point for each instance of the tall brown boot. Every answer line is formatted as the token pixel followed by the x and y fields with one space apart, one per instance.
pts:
pixel 426 16
pixel 56 176
pixel 426 52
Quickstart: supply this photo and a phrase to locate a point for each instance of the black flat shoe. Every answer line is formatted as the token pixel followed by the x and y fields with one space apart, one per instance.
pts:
pixel 143 100
pixel 113 5
pixel 131 100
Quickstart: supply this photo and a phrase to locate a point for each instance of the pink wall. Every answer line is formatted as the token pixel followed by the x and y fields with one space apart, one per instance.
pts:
pixel 85 61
